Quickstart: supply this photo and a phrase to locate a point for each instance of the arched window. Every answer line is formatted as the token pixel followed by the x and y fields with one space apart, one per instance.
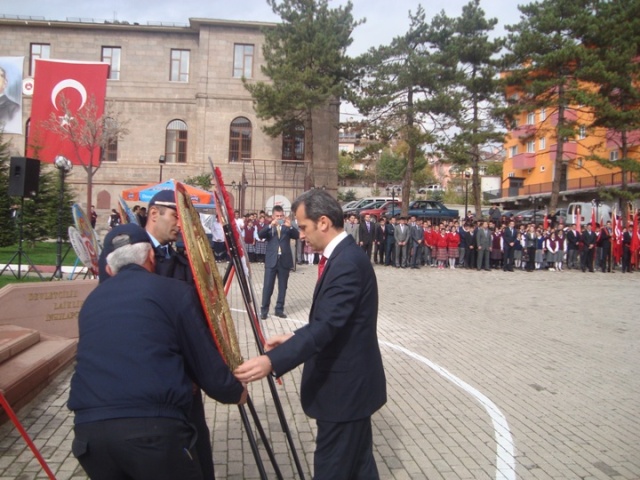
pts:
pixel 176 143
pixel 110 152
pixel 240 140
pixel 293 142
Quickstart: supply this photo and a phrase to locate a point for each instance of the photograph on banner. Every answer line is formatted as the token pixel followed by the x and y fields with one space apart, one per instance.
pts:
pixel 11 94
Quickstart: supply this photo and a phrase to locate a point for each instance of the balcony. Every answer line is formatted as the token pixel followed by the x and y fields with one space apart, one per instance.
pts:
pixel 524 131
pixel 569 116
pixel 614 139
pixel 524 161
pixel 569 151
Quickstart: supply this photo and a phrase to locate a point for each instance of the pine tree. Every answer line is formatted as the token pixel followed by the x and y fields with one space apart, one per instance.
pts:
pixel 306 62
pixel 400 89
pixel 476 91
pixel 8 233
pixel 544 54
pixel 612 41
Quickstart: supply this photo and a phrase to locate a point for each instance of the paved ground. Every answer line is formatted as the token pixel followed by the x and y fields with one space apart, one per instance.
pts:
pixel 490 375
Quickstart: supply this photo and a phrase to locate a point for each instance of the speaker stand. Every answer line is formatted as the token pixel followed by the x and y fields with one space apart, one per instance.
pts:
pixel 21 253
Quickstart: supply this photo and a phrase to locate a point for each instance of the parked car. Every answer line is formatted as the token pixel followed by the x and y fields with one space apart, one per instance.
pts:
pixel 367 206
pixel 392 207
pixel 436 187
pixel 349 205
pixel 429 209
pixel 364 201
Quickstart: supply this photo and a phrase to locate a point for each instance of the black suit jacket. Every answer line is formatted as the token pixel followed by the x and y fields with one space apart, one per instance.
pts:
pixel 343 378
pixel 366 236
pixel 270 234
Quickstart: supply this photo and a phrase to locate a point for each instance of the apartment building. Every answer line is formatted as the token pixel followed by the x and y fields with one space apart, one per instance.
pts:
pixel 180 90
pixel 531 147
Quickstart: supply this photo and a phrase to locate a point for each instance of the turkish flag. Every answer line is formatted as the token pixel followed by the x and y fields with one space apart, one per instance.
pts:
pixel 593 219
pixel 66 96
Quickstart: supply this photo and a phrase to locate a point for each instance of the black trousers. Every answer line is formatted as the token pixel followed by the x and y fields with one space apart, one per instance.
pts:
pixel 270 274
pixel 137 449
pixel 344 451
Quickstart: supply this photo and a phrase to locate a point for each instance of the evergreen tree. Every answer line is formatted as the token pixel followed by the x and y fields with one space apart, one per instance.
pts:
pixel 8 234
pixel 477 93
pixel 305 60
pixel 612 38
pixel 544 54
pixel 400 89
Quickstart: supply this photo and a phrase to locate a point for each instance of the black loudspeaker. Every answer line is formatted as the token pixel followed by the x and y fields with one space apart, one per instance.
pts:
pixel 24 177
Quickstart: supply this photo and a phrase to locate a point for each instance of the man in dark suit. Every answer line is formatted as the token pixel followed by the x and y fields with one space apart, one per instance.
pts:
pixel 390 242
pixel 483 244
pixel 379 241
pixel 573 238
pixel 589 248
pixel 416 238
pixel 366 235
pixel 278 260
pixel 509 240
pixel 627 236
pixel 343 381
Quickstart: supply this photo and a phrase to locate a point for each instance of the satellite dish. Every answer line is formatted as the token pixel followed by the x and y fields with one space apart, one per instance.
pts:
pixel 280 200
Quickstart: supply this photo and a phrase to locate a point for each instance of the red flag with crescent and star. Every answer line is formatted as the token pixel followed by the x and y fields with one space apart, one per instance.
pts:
pixel 78 85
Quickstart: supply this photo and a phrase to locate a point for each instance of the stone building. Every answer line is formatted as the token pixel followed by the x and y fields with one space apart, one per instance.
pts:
pixel 180 89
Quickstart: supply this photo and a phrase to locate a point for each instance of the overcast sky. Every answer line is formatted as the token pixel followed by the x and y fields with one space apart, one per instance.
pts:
pixel 385 18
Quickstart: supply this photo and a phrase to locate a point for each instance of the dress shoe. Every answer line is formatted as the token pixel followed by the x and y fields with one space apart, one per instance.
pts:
pixel 281 314
pixel 263 316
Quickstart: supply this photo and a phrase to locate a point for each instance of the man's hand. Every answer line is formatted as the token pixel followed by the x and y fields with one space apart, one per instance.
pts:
pixel 254 369
pixel 276 340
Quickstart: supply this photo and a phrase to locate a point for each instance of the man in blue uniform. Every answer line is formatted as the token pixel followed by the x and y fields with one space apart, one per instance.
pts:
pixel 143 341
pixel 163 229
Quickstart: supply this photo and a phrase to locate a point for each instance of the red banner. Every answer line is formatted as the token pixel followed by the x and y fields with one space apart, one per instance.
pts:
pixel 69 94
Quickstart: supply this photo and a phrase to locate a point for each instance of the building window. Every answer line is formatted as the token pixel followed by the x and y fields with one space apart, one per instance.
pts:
pixel 613 156
pixel 531 147
pixel 111 55
pixel 176 143
pixel 110 152
pixel 582 133
pixel 511 174
pixel 513 151
pixel 240 140
pixel 38 51
pixel 293 142
pixel 179 66
pixel 543 114
pixel 242 61
pixel 531 118
pixel 543 143
pixel 542 168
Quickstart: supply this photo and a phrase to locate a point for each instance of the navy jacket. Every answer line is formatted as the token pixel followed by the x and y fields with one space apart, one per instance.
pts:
pixel 343 378
pixel 141 338
pixel 270 234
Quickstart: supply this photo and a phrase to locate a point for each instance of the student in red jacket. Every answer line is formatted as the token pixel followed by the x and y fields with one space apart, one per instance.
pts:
pixel 453 241
pixel 441 243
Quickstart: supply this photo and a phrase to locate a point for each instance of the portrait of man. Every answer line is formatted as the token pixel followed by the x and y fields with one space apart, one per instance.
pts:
pixel 11 94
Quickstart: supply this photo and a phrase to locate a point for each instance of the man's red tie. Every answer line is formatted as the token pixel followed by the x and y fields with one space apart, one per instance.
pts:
pixel 323 261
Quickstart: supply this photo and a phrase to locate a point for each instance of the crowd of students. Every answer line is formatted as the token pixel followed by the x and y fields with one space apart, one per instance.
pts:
pixel 471 244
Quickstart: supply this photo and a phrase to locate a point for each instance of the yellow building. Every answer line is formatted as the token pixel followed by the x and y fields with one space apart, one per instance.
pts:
pixel 531 147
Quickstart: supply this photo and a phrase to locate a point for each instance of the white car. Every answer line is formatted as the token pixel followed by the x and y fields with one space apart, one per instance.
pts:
pixel 436 187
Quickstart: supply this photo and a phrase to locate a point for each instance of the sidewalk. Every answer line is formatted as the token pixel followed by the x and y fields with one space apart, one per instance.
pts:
pixel 490 375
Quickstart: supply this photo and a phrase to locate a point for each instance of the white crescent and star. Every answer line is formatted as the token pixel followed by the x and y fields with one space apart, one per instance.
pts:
pixel 68 83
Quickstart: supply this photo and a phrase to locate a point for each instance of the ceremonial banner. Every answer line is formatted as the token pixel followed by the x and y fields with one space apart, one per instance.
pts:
pixel 66 92
pixel 11 94
pixel 207 279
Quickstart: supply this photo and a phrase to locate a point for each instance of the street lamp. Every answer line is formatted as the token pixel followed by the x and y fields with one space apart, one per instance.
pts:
pixel 240 187
pixel 161 160
pixel 467 176
pixel 392 191
pixel 64 166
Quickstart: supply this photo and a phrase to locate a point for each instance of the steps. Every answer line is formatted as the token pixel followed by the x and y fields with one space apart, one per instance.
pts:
pixel 29 360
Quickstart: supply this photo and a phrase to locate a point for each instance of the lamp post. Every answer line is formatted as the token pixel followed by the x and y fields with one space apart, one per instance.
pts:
pixel 392 191
pixel 161 160
pixel 467 176
pixel 240 188
pixel 64 166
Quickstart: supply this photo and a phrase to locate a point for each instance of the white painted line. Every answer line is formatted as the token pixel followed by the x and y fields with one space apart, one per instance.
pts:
pixel 505 450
